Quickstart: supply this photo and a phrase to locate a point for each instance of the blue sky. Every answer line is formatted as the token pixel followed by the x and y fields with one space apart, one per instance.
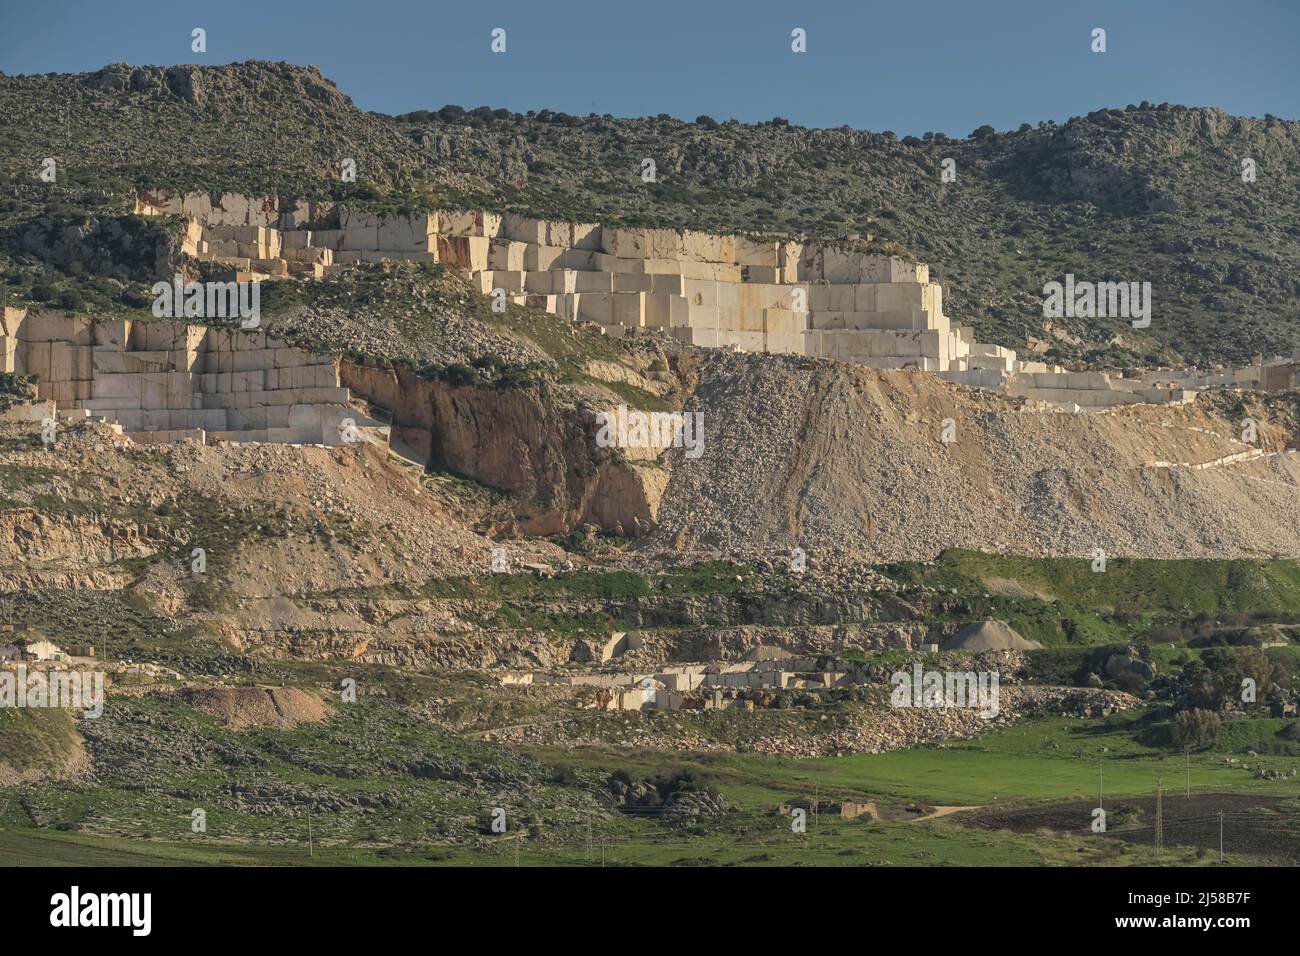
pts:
pixel 909 67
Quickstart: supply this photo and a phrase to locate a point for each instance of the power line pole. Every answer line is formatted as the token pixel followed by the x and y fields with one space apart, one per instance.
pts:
pixel 1100 782
pixel 311 844
pixel 1160 816
pixel 1188 752
pixel 1220 836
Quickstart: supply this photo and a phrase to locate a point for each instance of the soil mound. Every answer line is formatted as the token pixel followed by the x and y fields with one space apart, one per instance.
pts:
pixel 243 708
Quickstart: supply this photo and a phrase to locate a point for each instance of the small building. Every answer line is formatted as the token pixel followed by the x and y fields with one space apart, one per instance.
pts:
pixel 46 651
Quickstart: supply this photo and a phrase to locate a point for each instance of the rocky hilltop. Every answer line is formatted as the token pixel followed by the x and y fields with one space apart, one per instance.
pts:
pixel 1140 193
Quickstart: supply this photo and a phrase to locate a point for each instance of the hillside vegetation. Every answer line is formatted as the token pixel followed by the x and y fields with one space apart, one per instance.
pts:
pixel 1138 193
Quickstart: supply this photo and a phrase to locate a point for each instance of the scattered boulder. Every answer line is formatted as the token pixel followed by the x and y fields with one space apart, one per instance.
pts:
pixel 1129 664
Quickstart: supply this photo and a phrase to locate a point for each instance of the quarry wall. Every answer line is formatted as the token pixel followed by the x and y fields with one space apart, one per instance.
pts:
pixel 825 300
pixel 165 380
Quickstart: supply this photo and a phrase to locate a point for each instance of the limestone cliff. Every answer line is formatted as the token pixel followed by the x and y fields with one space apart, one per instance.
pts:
pixel 535 443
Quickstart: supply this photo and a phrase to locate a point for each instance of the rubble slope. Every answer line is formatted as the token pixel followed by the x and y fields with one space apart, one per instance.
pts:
pixel 835 458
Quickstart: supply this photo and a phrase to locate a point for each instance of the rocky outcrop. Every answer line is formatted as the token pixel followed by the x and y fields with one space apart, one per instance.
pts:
pixel 42 550
pixel 897 728
pixel 535 443
pixel 142 249
pixel 406 396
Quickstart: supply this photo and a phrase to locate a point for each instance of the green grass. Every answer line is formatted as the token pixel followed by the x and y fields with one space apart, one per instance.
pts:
pixel 1062 601
pixel 425 820
pixel 34 739
pixel 828 842
pixel 1011 765
pixel 1019 764
pixel 1189 586
pixel 708 577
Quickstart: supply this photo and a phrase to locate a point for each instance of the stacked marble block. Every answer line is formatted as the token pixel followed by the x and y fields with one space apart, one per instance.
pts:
pixel 256 238
pixel 1062 388
pixel 257 251
pixel 163 380
pixel 825 300
pixel 1092 389
pixel 702 288
pixel 809 298
pixel 892 317
pixel 1278 373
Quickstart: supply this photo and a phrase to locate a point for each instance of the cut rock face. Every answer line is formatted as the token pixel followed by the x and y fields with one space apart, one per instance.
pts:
pixel 169 381
pixel 829 300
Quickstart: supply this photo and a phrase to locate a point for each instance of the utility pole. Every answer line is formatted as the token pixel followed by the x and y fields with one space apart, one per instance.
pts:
pixel 1101 778
pixel 1188 752
pixel 311 844
pixel 1160 816
pixel 1220 836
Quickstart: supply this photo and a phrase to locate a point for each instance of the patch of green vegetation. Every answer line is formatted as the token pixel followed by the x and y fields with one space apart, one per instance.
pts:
pixel 637 398
pixel 710 577
pixel 561 624
pixel 1013 765
pixel 1062 601
pixel 15 389
pixel 19 478
pixel 385 788
pixel 34 739
pixel 1266 735
pixel 829 842
pixel 416 297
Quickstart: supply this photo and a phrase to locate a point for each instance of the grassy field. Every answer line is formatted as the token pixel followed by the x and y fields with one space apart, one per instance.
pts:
pixel 1016 766
pixel 1013 765
pixel 829 841
pixel 1062 602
